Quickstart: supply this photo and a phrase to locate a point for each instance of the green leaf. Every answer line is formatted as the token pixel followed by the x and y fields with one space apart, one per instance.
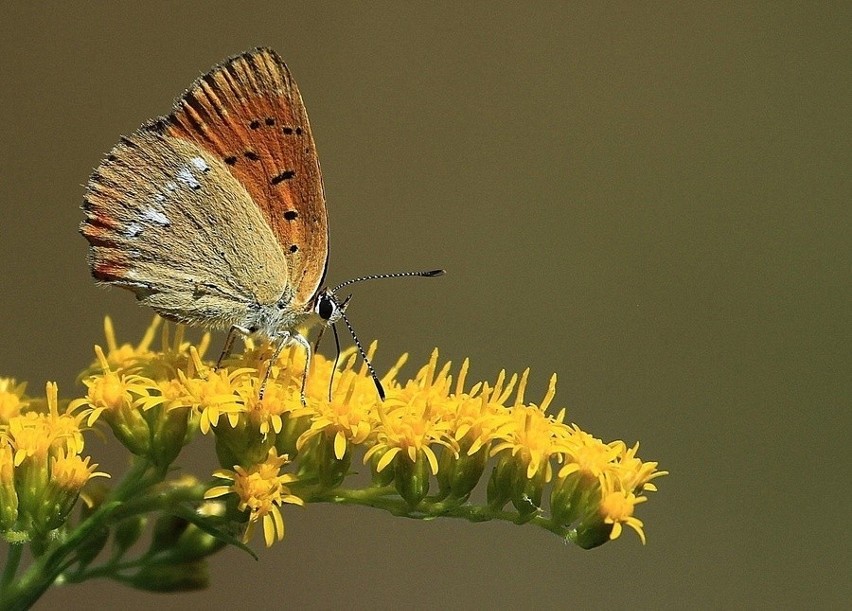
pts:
pixel 206 523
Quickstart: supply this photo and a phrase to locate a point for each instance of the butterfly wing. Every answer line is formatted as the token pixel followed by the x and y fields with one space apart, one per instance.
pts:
pixel 167 220
pixel 247 113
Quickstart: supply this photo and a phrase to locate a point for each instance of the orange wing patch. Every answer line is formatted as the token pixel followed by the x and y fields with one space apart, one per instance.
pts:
pixel 247 111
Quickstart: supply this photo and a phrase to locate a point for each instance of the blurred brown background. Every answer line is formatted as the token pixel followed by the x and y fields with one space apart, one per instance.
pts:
pixel 651 200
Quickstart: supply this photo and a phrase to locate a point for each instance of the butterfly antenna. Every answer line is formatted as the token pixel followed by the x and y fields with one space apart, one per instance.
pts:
pixel 336 361
pixel 429 274
pixel 379 388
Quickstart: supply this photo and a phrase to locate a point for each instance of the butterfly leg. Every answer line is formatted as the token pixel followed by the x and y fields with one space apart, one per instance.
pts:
pixel 283 340
pixel 304 343
pixel 229 343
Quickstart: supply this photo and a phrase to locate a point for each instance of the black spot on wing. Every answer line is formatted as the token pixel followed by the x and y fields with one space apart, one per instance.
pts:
pixel 287 175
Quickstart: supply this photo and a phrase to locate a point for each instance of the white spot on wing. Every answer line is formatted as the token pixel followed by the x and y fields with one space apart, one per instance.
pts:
pixel 184 175
pixel 156 217
pixel 200 164
pixel 132 230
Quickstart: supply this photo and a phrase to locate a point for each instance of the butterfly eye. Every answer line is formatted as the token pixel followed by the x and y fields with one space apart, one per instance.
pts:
pixel 325 307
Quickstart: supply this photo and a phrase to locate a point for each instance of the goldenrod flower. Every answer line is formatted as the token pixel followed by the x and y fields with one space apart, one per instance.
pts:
pixel 267 414
pixel 126 356
pixel 41 472
pixel 634 474
pixel 347 419
pixel 70 472
pixel 111 396
pixel 261 490
pixel 213 393
pixel 11 399
pixel 617 507
pixel 8 494
pixel 534 438
pixel 31 437
pixel 168 393
pixel 477 418
pixel 410 430
pixel 433 428
pixel 588 455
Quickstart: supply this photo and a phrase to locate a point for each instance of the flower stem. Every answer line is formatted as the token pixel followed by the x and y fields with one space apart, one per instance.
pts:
pixel 13 559
pixel 385 498
pixel 45 570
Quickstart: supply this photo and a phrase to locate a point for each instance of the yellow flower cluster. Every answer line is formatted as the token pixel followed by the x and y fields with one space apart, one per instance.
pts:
pixel 41 468
pixel 429 430
pixel 428 444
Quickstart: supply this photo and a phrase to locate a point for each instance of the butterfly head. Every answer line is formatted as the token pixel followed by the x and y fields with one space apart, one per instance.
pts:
pixel 330 310
pixel 327 307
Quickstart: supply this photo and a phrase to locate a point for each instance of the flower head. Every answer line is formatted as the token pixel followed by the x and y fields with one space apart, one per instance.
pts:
pixel 261 491
pixel 11 399
pixel 535 437
pixel 348 418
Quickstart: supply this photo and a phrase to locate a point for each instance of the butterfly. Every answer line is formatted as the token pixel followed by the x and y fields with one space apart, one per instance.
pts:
pixel 215 215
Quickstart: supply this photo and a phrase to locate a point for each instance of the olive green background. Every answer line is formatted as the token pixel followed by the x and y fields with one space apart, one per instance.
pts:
pixel 650 199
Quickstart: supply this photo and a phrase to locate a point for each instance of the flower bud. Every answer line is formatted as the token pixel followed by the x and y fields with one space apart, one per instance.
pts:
pixel 526 496
pixel 411 478
pixel 591 535
pixel 241 444
pixel 501 483
pixel 8 495
pixel 385 476
pixel 459 474
pixel 569 498
pixel 169 432
pixel 127 532
pixel 171 577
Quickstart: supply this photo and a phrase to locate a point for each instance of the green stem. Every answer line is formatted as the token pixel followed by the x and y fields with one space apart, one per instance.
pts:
pixel 13 559
pixel 385 498
pixel 110 570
